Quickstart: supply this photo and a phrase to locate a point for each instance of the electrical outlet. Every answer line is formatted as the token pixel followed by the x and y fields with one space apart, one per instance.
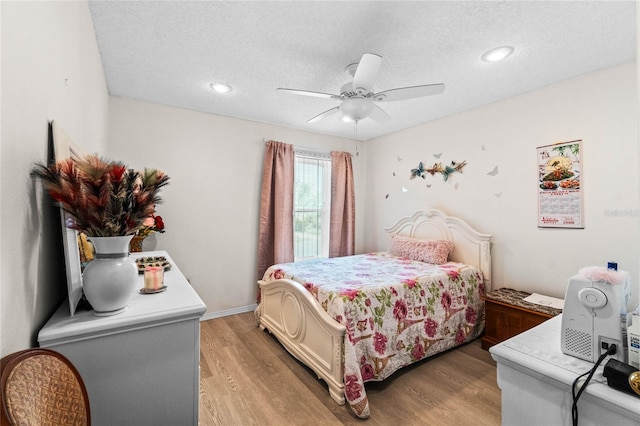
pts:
pixel 605 342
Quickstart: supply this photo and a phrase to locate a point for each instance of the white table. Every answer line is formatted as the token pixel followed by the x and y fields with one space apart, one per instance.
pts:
pixel 140 367
pixel 536 377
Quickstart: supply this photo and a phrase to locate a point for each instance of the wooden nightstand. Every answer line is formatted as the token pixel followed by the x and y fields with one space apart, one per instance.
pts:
pixel 506 315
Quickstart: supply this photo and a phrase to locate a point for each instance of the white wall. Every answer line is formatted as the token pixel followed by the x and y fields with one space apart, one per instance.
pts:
pixel 51 70
pixel 600 108
pixel 211 205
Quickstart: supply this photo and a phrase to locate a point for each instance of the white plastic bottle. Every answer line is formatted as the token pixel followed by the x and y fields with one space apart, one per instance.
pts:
pixel 633 340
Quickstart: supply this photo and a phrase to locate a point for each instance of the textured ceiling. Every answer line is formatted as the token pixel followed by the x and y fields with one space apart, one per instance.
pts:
pixel 168 52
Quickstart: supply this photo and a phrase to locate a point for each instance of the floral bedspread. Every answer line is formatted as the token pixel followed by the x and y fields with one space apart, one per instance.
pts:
pixel 396 311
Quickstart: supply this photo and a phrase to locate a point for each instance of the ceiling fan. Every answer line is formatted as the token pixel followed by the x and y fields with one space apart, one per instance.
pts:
pixel 357 98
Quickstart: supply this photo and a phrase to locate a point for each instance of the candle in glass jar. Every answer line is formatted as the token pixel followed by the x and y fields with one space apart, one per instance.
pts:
pixel 153 277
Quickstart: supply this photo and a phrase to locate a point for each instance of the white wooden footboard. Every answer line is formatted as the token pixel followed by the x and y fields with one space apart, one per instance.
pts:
pixel 289 312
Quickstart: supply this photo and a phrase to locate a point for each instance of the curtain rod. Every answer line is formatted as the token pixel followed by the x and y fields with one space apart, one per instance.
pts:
pixel 307 150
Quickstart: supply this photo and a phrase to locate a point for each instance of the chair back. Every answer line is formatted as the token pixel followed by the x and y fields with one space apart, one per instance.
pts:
pixel 42 387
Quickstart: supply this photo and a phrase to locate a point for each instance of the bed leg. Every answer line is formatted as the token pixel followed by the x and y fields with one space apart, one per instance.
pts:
pixel 337 394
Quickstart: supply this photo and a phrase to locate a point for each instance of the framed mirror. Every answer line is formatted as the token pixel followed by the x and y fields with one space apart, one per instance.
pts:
pixel 63 147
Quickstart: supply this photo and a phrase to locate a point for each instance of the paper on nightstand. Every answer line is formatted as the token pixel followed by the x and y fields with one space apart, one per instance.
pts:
pixel 540 299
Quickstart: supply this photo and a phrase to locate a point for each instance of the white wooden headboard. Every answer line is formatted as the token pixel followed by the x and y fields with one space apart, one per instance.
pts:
pixel 469 246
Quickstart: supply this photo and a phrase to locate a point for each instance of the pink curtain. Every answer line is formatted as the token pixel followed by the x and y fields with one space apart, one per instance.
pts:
pixel 275 243
pixel 342 219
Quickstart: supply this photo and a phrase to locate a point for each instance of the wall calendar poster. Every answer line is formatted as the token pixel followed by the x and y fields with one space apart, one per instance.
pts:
pixel 560 201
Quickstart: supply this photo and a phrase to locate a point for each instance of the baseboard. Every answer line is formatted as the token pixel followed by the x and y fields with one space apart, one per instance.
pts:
pixel 219 314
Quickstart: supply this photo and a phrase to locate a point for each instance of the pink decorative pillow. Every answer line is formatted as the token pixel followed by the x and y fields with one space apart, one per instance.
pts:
pixel 429 251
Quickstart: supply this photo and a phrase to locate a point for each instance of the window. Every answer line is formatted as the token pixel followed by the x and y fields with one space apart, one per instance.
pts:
pixel 311 205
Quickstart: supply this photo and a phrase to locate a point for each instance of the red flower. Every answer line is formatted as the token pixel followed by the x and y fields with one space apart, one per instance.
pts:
pixel 430 327
pixel 150 224
pixel 400 310
pixel 159 223
pixel 470 315
pixel 446 300
pixel 116 172
pixel 351 294
pixel 453 274
pixel 367 372
pixel 418 350
pixel 380 342
pixel 410 283
pixel 351 387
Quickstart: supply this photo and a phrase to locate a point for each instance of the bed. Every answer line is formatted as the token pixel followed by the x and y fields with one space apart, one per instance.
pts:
pixel 360 318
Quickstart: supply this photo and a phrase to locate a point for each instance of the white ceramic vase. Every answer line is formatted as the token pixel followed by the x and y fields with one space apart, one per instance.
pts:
pixel 109 280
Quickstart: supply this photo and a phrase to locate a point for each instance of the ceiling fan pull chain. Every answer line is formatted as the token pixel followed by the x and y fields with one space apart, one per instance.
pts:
pixel 355 135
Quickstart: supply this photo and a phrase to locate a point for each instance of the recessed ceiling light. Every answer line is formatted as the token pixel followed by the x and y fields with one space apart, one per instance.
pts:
pixel 497 54
pixel 220 87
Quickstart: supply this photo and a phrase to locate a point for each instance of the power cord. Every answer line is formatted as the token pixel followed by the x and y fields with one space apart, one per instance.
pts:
pixel 576 396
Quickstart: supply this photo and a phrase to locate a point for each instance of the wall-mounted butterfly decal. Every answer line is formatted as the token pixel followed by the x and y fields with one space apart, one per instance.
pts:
pixel 445 171
pixel 437 155
pixel 454 167
pixel 418 172
pixel 493 172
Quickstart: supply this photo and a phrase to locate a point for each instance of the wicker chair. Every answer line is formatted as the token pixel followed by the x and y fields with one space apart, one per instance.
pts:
pixel 42 387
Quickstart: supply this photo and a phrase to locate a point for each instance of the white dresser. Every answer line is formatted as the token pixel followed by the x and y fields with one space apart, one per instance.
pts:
pixel 536 377
pixel 140 367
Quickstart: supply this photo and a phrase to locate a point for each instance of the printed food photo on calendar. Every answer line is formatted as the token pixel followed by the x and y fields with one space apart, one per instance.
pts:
pixel 560 203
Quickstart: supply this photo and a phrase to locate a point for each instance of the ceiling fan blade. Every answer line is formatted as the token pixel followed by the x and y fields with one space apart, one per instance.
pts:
pixel 366 73
pixel 412 92
pixel 378 114
pixel 310 93
pixel 323 115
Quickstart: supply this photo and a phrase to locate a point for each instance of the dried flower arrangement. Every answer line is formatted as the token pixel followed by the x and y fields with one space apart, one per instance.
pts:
pixel 104 198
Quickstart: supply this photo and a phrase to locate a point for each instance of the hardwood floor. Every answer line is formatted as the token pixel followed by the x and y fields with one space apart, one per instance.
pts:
pixel 248 378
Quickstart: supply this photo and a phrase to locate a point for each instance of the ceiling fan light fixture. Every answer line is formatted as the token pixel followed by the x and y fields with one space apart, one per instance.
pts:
pixel 221 87
pixel 356 108
pixel 497 54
